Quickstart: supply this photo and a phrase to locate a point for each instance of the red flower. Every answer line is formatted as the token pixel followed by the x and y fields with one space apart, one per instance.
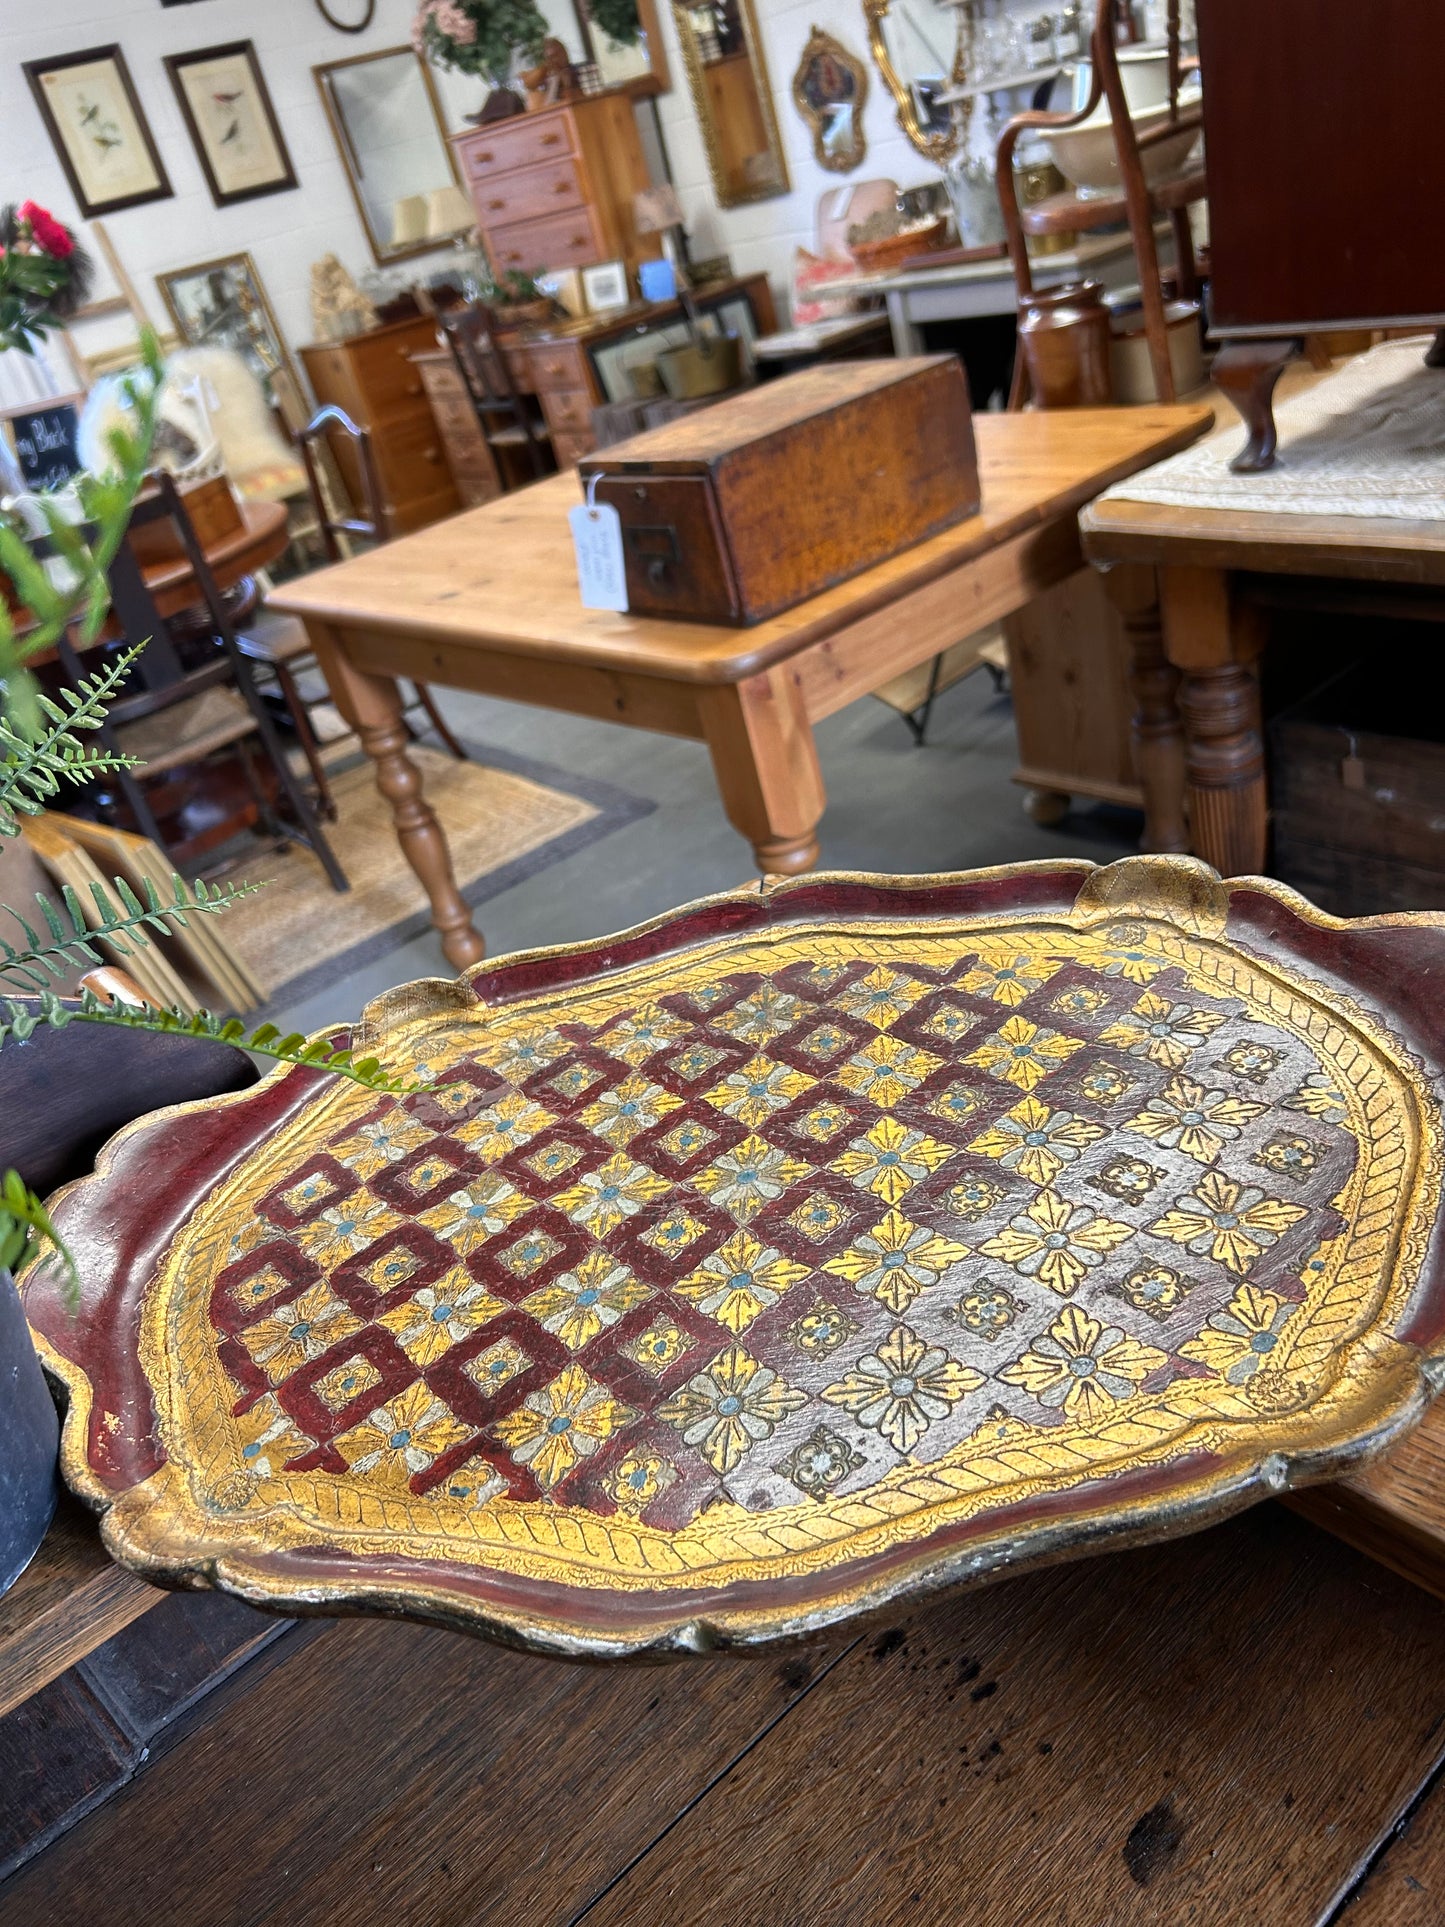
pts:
pixel 46 231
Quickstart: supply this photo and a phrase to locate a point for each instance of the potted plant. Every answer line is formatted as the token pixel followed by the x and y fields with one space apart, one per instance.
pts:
pixel 482 37
pixel 517 300
pixel 42 749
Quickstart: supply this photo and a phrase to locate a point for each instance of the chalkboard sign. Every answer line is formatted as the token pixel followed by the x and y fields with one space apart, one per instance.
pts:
pixel 45 445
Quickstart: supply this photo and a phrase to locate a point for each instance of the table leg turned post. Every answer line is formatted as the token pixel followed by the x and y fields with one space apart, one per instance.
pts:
pixel 766 765
pixel 1157 731
pixel 372 705
pixel 1215 646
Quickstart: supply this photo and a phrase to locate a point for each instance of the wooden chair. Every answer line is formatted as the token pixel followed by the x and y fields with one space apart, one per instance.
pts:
pixel 181 710
pixel 1137 202
pixel 280 642
pixel 508 420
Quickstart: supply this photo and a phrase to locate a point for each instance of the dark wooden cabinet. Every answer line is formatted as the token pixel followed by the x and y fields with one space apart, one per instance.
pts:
pixel 1322 127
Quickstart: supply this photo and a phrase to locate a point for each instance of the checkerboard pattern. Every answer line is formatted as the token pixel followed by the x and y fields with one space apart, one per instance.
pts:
pixel 763 1237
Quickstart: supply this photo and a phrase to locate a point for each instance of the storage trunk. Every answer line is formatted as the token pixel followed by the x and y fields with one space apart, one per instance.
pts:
pixel 1359 817
pixel 743 509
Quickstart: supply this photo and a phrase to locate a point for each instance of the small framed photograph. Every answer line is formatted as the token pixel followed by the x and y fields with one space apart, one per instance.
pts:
pixel 564 285
pixel 232 122
pixel 92 115
pixel 605 286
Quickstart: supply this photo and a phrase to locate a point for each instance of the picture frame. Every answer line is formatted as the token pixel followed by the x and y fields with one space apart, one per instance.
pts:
pixel 605 287
pixel 222 303
pixel 227 110
pixel 98 129
pixel 564 285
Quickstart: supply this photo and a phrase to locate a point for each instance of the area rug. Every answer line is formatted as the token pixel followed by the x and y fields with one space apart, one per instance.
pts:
pixel 1367 440
pixel 505 816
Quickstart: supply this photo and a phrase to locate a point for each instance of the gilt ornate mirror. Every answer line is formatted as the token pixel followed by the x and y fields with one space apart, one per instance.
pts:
pixel 733 99
pixel 920 51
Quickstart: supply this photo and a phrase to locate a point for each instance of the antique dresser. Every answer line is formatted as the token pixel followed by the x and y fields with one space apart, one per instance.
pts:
pixel 555 189
pixel 373 378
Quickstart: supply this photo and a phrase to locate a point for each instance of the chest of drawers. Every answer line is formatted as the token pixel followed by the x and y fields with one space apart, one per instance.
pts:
pixel 555 189
pixel 373 378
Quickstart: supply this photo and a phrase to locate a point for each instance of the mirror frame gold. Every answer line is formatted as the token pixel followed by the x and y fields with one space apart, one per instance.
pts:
pixel 937 148
pixel 821 42
pixel 349 163
pixel 723 195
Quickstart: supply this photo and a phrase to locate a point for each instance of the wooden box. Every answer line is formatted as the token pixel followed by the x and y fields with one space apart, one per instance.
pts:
pixel 745 508
pixel 1359 817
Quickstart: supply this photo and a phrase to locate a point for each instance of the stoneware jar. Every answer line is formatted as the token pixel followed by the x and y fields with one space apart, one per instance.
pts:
pixel 1064 339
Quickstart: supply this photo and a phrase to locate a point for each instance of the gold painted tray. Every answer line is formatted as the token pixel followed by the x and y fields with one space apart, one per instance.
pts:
pixel 752 1269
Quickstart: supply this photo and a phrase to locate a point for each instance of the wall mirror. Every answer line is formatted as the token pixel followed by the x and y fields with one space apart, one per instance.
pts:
pixel 619 37
pixel 388 127
pixel 920 51
pixel 733 99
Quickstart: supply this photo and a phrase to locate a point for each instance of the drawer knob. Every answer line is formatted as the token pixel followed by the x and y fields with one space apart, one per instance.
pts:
pixel 551 140
pixel 432 455
pixel 487 156
pixel 579 240
pixel 562 187
pixel 496 204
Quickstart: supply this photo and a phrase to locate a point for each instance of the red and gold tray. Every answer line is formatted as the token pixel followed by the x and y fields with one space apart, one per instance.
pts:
pixel 800 1250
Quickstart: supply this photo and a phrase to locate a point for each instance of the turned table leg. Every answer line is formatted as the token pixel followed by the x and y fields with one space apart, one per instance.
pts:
pixel 1247 372
pixel 1157 730
pixel 766 765
pixel 373 707
pixel 1215 645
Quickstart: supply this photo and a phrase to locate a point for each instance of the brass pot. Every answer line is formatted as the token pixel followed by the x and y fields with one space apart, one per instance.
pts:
pixel 707 366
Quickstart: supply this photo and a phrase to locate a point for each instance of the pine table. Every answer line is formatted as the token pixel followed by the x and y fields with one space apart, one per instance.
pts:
pixel 488 601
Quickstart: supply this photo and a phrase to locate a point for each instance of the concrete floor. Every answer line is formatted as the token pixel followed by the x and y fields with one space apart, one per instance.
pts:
pixel 892 807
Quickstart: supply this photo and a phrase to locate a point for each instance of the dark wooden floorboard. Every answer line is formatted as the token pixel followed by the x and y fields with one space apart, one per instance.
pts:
pixel 426 1779
pixel 1218 1731
pixel 1407 1887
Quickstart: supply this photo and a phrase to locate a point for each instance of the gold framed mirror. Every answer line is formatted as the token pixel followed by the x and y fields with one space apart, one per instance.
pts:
pixel 829 90
pixel 387 123
pixel 733 99
pixel 910 51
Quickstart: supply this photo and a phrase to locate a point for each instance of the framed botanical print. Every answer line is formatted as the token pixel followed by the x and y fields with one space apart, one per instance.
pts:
pixel 92 115
pixel 232 122
pixel 222 304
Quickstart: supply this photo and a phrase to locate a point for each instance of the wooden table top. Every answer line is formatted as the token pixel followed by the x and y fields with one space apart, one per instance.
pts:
pixel 1374 548
pixel 502 577
pixel 262 537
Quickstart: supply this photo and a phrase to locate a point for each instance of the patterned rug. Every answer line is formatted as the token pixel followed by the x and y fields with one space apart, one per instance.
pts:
pixel 1367 440
pixel 505 816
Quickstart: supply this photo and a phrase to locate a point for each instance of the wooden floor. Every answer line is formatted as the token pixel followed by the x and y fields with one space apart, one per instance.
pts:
pixel 1243 1727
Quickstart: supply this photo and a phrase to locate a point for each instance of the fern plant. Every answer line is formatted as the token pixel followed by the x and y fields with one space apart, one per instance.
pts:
pixel 42 749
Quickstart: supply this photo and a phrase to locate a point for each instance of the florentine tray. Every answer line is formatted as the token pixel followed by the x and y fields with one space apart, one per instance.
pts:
pixel 808 1247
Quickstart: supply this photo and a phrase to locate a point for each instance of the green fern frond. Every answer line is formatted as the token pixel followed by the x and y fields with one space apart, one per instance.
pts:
pixel 25 1226
pixel 315 1054
pixel 32 965
pixel 33 767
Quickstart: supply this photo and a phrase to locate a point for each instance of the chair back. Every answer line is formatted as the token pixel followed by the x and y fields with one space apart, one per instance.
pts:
pixel 371 521
pixel 472 333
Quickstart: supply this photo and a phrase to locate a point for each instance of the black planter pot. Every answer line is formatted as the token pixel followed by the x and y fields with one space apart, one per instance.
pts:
pixel 62 1094
pixel 29 1442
